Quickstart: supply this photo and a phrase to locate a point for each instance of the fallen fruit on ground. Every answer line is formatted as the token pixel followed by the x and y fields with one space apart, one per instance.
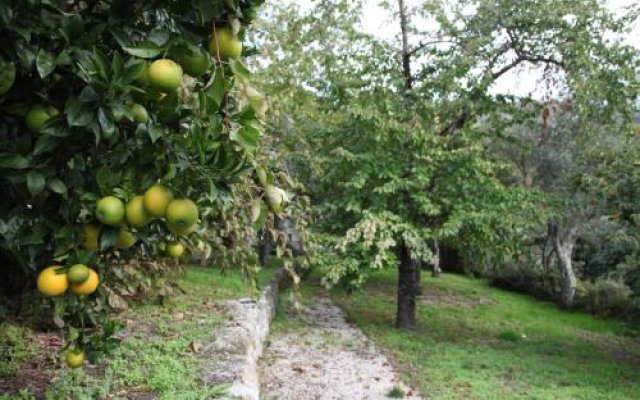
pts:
pixel 78 273
pixel 110 211
pixel 156 199
pixel 225 44
pixel 174 249
pixel 137 215
pixel 89 286
pixel 165 75
pixel 182 213
pixel 91 233
pixel 74 358
pixel 52 281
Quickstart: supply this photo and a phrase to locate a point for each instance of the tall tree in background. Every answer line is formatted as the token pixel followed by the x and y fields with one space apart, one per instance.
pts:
pixel 397 155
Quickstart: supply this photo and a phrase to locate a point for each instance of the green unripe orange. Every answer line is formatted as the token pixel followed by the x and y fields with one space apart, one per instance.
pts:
pixel 165 75
pixel 137 215
pixel 110 211
pixel 38 116
pixel 225 43
pixel 193 61
pixel 174 249
pixel 78 273
pixel 156 199
pixel 140 115
pixel 182 213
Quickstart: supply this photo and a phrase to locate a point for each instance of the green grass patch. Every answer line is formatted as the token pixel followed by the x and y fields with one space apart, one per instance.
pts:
pixel 16 347
pixel 474 341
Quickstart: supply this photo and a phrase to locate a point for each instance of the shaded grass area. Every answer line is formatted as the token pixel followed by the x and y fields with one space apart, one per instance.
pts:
pixel 474 341
pixel 159 353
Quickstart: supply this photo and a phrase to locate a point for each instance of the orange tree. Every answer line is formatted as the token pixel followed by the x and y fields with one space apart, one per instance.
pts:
pixel 100 100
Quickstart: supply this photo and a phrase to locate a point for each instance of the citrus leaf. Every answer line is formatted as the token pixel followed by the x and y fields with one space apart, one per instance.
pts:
pixel 13 161
pixel 35 182
pixel 248 137
pixel 78 114
pixel 217 89
pixel 240 71
pixel 108 238
pixel 45 143
pixel 58 186
pixel 146 49
pixel 45 62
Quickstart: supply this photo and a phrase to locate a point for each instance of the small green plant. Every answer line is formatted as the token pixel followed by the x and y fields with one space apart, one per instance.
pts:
pixel 509 336
pixel 396 392
pixel 15 348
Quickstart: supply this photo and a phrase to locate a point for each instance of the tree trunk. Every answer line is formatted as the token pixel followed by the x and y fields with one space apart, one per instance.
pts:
pixel 563 243
pixel 408 288
pixel 406 55
pixel 437 270
pixel 450 259
pixel 264 246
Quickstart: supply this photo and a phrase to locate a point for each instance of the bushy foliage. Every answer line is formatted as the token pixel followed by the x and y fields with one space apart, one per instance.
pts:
pixel 87 110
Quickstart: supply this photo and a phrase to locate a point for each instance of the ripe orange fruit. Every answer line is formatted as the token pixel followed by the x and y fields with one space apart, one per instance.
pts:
pixel 74 358
pixel 110 211
pixel 182 213
pixel 91 235
pixel 156 199
pixel 136 214
pixel 165 75
pixel 225 43
pixel 89 286
pixel 174 249
pixel 51 283
pixel 78 273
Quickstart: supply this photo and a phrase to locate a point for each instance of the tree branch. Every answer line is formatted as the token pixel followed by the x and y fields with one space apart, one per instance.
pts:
pixel 423 45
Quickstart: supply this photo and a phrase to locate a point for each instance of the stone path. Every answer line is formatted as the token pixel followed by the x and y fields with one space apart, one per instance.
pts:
pixel 321 357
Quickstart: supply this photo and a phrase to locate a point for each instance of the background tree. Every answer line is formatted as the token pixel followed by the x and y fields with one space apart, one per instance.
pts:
pixel 391 174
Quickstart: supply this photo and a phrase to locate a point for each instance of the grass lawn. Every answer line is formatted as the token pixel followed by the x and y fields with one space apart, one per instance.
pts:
pixel 474 341
pixel 158 357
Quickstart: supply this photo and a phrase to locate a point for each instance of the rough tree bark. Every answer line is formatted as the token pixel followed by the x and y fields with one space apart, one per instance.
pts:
pixel 408 288
pixel 563 243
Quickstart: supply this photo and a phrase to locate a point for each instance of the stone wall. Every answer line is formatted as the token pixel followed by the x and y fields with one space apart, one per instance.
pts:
pixel 238 346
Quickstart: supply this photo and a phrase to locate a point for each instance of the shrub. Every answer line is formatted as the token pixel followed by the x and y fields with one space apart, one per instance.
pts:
pixel 606 297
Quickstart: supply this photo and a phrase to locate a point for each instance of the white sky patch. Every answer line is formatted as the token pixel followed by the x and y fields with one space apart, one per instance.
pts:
pixel 521 81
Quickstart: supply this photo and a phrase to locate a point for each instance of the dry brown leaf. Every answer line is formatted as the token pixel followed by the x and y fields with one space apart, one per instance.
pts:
pixel 195 346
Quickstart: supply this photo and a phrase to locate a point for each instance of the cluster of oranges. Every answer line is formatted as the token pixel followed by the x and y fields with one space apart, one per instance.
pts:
pixel 165 75
pixel 56 280
pixel 180 216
